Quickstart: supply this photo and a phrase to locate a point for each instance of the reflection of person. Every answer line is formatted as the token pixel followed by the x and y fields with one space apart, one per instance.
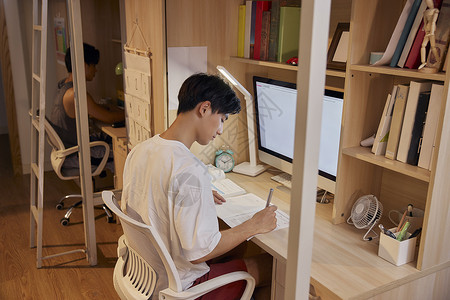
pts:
pixel 63 114
pixel 429 25
pixel 167 186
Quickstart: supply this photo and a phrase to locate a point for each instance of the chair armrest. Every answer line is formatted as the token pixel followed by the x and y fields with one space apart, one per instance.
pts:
pixel 210 285
pixel 66 152
pixel 102 164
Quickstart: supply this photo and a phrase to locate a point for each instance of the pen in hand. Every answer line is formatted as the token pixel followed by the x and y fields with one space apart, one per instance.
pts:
pixel 269 197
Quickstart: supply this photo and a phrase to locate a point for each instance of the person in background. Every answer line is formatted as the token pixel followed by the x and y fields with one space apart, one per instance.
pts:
pixel 167 186
pixel 62 117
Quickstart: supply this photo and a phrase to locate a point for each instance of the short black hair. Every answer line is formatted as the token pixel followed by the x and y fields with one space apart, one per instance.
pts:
pixel 91 56
pixel 202 87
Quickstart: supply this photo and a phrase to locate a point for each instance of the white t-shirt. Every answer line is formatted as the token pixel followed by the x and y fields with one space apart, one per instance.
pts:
pixel 166 186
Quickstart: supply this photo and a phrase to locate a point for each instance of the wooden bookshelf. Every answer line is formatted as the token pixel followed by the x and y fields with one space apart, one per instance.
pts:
pixel 359 170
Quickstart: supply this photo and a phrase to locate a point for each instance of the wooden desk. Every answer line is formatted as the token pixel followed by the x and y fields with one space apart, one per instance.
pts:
pixel 343 265
pixel 119 139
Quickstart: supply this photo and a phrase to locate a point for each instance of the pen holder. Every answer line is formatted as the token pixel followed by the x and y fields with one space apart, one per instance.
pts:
pixel 396 252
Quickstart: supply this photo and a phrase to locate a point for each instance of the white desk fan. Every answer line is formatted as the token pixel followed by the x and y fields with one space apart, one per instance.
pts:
pixel 366 212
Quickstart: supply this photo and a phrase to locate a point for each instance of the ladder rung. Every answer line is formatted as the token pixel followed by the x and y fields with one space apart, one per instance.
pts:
pixel 64 253
pixel 36 77
pixel 37 27
pixel 34 211
pixel 35 169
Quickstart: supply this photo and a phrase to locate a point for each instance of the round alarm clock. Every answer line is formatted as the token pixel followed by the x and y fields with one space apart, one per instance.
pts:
pixel 224 160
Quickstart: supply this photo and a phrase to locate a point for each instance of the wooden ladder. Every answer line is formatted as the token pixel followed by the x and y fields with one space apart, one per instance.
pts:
pixel 39 75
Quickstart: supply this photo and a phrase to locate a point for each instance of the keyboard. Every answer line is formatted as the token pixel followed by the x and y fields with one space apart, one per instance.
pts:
pixel 284 179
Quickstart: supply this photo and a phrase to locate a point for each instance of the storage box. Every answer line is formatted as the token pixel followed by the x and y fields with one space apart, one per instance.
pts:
pixel 395 252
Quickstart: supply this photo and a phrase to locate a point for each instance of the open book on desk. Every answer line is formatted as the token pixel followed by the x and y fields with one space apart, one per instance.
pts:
pixel 241 208
pixel 224 186
pixel 227 188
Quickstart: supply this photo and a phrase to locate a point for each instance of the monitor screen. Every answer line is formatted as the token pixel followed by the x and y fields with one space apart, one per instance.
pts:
pixel 275 107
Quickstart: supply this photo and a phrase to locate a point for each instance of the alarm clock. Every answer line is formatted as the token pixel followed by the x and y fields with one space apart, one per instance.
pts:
pixel 224 160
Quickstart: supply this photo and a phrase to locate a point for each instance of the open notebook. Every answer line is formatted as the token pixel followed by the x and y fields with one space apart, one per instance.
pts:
pixel 241 208
pixel 224 186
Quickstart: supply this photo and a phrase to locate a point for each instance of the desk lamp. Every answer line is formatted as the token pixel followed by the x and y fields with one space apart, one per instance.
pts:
pixel 246 168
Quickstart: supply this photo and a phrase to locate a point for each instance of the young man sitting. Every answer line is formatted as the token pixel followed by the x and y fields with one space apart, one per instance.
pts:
pixel 166 186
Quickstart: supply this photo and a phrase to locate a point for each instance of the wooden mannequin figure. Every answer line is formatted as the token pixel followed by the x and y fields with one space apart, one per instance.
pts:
pixel 430 16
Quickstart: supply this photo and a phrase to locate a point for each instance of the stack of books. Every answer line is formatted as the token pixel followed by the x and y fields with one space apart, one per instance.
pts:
pixel 269 30
pixel 406 41
pixel 408 125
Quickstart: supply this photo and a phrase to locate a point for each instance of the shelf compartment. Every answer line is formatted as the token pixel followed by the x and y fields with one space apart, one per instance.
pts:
pixel 398 72
pixel 366 155
pixel 284 66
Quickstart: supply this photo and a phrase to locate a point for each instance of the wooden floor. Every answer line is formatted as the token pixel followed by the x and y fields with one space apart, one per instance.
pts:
pixel 64 277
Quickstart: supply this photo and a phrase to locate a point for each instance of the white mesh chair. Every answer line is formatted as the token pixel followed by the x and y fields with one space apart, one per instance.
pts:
pixel 57 157
pixel 135 278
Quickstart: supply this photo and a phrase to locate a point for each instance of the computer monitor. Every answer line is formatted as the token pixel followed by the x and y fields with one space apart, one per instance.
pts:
pixel 275 108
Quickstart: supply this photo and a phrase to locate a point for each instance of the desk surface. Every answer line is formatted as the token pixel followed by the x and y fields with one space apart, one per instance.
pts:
pixel 114 132
pixel 342 262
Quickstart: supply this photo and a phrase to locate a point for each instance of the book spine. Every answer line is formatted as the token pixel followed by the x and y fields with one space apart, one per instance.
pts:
pixel 274 26
pixel 378 135
pixel 261 6
pixel 252 29
pixel 241 31
pixel 419 120
pixel 248 28
pixel 288 33
pixel 265 32
pixel 397 121
pixel 430 129
pixel 405 32
pixel 415 88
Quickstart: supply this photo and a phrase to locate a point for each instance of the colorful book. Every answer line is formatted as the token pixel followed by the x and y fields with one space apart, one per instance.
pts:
pixel 252 29
pixel 248 28
pixel 405 32
pixel 419 122
pixel 265 32
pixel 397 121
pixel 431 124
pixel 415 88
pixel 442 35
pixel 413 60
pixel 274 27
pixel 241 31
pixel 412 34
pixel 261 6
pixel 288 34
pixel 382 135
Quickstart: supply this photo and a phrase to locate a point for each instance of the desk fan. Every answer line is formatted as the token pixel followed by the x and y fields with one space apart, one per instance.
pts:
pixel 365 213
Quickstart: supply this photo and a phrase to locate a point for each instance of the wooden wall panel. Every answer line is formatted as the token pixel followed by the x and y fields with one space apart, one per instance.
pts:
pixel 8 89
pixel 150 16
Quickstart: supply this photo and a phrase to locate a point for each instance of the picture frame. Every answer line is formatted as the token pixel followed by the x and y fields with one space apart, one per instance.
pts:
pixel 337 52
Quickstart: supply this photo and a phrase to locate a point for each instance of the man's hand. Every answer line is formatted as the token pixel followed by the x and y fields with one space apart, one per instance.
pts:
pixel 265 220
pixel 218 199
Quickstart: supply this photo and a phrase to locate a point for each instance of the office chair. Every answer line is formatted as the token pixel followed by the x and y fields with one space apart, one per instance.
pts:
pixel 57 157
pixel 135 278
